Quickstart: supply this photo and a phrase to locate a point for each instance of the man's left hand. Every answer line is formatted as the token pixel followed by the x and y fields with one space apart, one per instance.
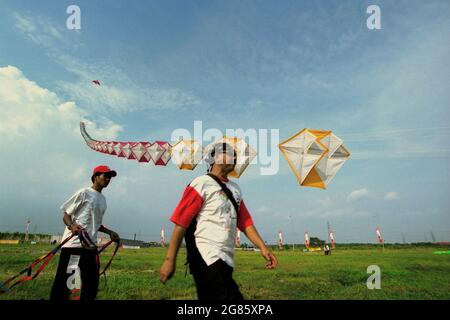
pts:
pixel 272 261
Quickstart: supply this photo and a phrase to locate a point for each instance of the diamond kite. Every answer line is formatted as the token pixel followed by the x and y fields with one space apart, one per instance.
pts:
pixel 315 156
pixel 245 154
pixel 187 154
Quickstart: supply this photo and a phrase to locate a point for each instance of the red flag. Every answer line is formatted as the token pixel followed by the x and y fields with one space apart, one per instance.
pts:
pixel 306 240
pixel 280 240
pixel 380 239
pixel 332 239
pixel 163 240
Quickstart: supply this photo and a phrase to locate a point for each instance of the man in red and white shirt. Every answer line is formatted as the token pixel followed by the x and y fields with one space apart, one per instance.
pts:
pixel 208 220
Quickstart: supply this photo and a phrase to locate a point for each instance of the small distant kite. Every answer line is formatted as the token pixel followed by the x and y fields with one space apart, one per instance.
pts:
pixel 97 82
pixel 315 156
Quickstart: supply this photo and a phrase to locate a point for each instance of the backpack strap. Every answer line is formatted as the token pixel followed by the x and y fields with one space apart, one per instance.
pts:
pixel 226 190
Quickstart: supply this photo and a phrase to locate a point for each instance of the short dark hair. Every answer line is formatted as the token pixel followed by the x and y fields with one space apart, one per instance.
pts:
pixel 98 174
pixel 223 148
pixel 220 148
pixel 94 175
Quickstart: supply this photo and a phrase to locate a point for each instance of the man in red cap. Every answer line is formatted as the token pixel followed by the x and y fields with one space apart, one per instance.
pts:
pixel 83 212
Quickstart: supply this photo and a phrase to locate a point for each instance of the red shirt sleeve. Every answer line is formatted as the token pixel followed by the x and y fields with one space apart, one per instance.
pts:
pixel 244 219
pixel 188 207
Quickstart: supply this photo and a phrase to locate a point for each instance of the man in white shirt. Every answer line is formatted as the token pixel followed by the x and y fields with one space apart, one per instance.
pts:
pixel 208 216
pixel 83 212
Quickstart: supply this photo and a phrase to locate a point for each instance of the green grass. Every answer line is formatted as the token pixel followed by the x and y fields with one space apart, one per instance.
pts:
pixel 406 273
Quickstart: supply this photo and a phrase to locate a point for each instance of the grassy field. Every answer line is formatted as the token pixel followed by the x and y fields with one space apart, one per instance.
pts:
pixel 406 273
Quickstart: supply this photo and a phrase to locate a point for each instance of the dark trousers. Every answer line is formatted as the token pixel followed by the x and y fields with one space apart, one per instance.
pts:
pixel 89 272
pixel 215 282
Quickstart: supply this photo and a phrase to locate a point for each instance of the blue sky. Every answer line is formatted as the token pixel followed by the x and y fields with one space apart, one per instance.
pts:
pixel 255 64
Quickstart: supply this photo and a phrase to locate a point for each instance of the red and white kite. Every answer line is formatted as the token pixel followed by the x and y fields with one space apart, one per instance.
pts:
pixel 380 239
pixel 280 239
pixel 307 240
pixel 159 152
pixel 185 153
pixel 97 82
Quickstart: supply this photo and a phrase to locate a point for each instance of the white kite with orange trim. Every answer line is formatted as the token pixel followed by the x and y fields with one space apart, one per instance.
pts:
pixel 244 152
pixel 315 156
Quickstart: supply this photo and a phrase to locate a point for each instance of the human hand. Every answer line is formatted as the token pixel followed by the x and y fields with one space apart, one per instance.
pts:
pixel 166 271
pixel 272 261
pixel 75 228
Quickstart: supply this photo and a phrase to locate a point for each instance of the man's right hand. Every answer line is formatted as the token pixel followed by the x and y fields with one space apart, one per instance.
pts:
pixel 75 228
pixel 167 270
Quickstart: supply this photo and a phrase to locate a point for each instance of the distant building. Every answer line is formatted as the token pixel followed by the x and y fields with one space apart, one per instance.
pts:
pixel 131 244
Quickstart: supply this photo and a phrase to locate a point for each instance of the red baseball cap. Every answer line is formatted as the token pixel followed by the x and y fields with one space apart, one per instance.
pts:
pixel 104 169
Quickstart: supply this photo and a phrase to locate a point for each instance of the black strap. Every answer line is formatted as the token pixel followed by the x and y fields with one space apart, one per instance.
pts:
pixel 193 257
pixel 227 191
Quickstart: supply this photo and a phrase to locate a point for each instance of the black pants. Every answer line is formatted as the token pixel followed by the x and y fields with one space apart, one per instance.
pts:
pixel 89 272
pixel 215 282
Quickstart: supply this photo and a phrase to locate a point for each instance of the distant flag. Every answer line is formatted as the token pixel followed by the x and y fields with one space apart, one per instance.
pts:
pixel 380 239
pixel 307 240
pixel 163 240
pixel 97 82
pixel 332 239
pixel 280 239
pixel 27 230
pixel 238 239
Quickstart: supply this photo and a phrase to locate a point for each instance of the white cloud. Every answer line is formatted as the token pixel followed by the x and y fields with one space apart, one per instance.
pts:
pixel 28 110
pixel 325 202
pixel 44 160
pixel 357 194
pixel 390 196
pixel 41 31
pixel 328 213
pixel 262 209
pixel 118 93
pixel 37 126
